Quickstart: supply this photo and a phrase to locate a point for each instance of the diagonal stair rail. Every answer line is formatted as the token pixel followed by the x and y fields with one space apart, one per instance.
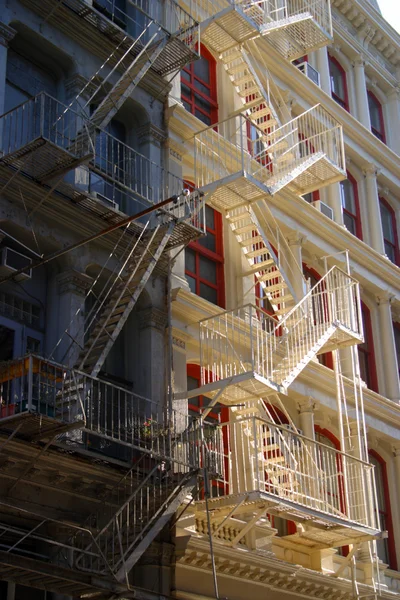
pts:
pixel 137 522
pixel 277 352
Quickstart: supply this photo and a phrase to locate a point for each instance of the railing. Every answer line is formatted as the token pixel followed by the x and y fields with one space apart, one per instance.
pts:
pixel 265 13
pixel 273 158
pixel 247 340
pixel 43 117
pixel 291 467
pixel 118 173
pixel 108 416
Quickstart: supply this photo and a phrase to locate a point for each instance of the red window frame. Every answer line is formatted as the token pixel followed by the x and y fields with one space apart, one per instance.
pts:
pixel 366 351
pixel 387 513
pixel 325 359
pixel 396 333
pixel 216 257
pixel 343 102
pixel 379 133
pixel 355 217
pixel 393 245
pixel 312 197
pixel 194 371
pixel 190 79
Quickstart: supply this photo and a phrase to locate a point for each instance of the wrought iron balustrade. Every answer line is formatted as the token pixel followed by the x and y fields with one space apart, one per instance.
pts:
pixel 246 351
pixel 41 398
pixel 298 473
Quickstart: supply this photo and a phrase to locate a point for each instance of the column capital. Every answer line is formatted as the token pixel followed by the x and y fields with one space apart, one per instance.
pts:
pixel 75 83
pixel 151 133
pixel 394 94
pixel 307 405
pixel 359 62
pixel 153 317
pixel 73 282
pixel 6 34
pixel 384 298
pixel 295 238
pixel 370 170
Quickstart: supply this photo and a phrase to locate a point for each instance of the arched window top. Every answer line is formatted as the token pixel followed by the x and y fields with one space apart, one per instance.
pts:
pixel 389 230
pixel 326 437
pixel 338 82
pixel 351 205
pixel 376 117
pixel 199 87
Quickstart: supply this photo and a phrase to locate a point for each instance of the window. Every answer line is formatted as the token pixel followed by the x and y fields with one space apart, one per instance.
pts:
pixel 199 88
pixel 366 353
pixel 396 331
pixel 334 479
pixel 351 205
pixel 204 261
pixel 389 230
pixel 197 403
pixel 376 117
pixel 338 83
pixel 311 197
pixel 385 547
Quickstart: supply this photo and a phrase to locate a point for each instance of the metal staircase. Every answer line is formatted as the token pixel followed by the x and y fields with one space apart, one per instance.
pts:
pixel 246 354
pixel 125 537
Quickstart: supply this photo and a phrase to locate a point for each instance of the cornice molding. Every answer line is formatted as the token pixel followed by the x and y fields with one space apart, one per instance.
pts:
pixel 7 33
pixel 73 282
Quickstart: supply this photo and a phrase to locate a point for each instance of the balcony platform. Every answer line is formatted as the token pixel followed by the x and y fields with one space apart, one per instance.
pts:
pixel 101 32
pixel 320 529
pixel 297 35
pixel 230 27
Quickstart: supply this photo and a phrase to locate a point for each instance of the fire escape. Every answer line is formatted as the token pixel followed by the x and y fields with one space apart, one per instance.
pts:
pixel 245 355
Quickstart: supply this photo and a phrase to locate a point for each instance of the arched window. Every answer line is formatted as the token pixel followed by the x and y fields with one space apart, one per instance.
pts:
pixel 351 205
pixel 338 83
pixel 204 261
pixel 366 354
pixel 199 88
pixel 389 229
pixel 385 547
pixel 376 117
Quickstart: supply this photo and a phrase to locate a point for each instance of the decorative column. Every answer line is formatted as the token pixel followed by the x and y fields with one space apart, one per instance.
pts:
pixel 295 264
pixel 361 93
pixel 306 410
pixel 6 35
pixel 393 106
pixel 374 216
pixel 391 386
pixel 335 202
pixel 151 371
pixel 323 68
pixel 72 287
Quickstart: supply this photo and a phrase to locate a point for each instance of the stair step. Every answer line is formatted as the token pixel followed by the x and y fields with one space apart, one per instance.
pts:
pixel 239 217
pixel 255 253
pixel 244 228
pixel 251 241
pixel 243 79
pixel 254 89
pixel 271 276
pixel 261 266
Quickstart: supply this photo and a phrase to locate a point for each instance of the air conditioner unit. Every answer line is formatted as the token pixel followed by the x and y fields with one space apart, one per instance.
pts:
pixel 12 261
pixel 324 208
pixel 309 71
pixel 106 201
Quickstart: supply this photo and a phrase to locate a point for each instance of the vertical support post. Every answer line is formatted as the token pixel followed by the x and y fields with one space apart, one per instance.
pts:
pixel 256 453
pixel 30 382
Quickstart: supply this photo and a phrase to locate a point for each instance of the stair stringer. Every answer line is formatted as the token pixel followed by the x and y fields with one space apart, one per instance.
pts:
pixel 147 261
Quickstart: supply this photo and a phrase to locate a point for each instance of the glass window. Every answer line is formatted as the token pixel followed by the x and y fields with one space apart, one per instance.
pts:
pixel 204 261
pixel 366 354
pixel 385 547
pixel 338 83
pixel 376 117
pixel 396 331
pixel 350 205
pixel 198 88
pixel 389 230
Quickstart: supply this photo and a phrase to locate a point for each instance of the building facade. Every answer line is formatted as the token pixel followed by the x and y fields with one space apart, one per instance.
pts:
pixel 200 401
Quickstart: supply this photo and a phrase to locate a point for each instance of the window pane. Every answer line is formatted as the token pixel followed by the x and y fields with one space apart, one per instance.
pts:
pixel 202 88
pixel 387 223
pixel 208 241
pixel 185 75
pixel 208 293
pixel 201 69
pixel 208 269
pixel 390 251
pixel 210 218
pixel 337 80
pixel 190 258
pixel 350 223
pixel 375 113
pixel 347 196
pixel 192 283
pixel 185 91
pixel 206 120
